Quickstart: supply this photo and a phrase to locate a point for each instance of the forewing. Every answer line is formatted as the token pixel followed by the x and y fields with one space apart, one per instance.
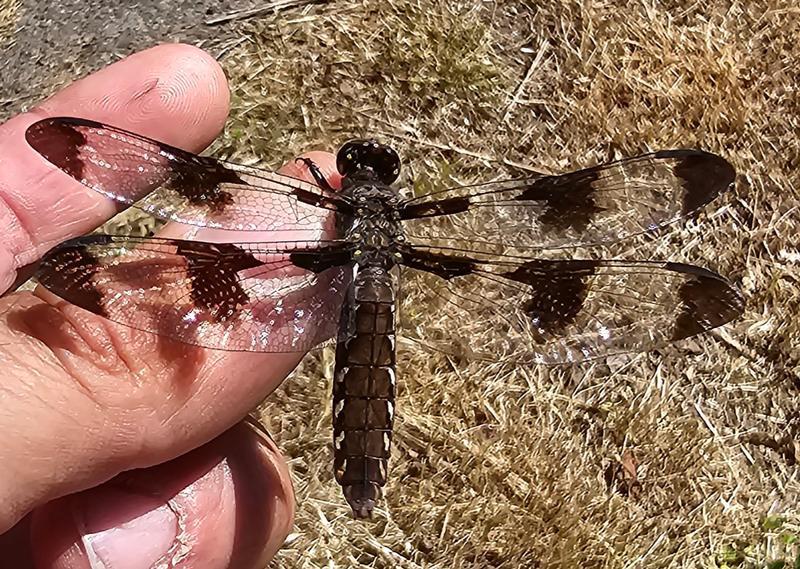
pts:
pixel 560 311
pixel 176 185
pixel 281 297
pixel 598 205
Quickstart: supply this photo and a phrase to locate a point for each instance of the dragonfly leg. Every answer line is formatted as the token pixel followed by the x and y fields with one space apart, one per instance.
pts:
pixel 319 178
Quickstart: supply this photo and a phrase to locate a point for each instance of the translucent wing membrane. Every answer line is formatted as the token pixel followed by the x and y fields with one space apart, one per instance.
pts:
pixel 176 185
pixel 279 297
pixel 470 282
pixel 561 311
pixel 474 262
pixel 603 204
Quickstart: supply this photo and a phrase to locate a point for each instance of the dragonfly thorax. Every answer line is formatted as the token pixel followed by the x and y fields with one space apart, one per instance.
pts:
pixel 375 221
pixel 375 227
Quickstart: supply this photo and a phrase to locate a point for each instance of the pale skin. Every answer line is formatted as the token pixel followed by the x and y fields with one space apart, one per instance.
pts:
pixel 84 401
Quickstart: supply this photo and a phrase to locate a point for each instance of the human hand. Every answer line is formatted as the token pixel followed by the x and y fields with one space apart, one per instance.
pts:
pixel 98 422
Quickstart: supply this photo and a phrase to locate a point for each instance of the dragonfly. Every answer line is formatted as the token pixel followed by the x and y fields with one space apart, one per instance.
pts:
pixel 494 263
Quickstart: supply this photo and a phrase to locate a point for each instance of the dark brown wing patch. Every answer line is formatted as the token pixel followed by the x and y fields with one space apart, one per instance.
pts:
pixel 568 200
pixel 321 259
pixel 176 185
pixel 203 183
pixel 599 205
pixel 70 272
pixel 447 206
pixel 60 143
pixel 237 297
pixel 563 311
pixel 445 266
pixel 705 302
pixel 212 269
pixel 558 291
pixel 703 175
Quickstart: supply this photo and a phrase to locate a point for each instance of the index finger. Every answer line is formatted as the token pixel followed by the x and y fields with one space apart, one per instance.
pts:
pixel 175 93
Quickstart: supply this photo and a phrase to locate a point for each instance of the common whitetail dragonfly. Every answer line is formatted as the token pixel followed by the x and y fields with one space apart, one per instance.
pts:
pixel 324 262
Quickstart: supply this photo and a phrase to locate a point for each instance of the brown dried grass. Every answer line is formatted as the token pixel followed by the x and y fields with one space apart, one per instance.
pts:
pixel 685 456
pixel 500 466
pixel 9 14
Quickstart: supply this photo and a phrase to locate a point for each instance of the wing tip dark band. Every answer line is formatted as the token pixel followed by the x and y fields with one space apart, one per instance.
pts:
pixel 704 175
pixel 59 142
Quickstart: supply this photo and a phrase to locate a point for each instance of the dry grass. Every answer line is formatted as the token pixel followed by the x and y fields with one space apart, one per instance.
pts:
pixel 9 14
pixel 499 466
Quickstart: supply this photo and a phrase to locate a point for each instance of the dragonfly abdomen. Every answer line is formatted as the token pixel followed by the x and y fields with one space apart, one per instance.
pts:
pixel 364 389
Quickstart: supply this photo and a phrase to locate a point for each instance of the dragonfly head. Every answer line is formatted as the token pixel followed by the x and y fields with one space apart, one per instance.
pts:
pixel 367 159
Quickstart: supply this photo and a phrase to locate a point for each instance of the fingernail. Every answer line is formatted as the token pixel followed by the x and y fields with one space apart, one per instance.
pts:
pixel 121 530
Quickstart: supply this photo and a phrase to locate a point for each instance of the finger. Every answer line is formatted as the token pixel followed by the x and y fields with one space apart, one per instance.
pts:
pixel 85 399
pixel 228 504
pixel 175 93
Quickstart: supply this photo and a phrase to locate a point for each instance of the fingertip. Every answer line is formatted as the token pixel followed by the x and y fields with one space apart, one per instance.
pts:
pixel 175 93
pixel 196 92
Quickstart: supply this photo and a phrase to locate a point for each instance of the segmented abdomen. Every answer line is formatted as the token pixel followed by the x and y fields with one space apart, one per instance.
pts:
pixel 364 389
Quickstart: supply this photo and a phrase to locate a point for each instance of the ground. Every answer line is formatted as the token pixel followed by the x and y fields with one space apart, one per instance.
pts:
pixel 685 456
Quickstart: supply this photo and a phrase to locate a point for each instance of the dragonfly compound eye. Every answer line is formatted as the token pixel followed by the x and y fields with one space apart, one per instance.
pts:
pixel 367 158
